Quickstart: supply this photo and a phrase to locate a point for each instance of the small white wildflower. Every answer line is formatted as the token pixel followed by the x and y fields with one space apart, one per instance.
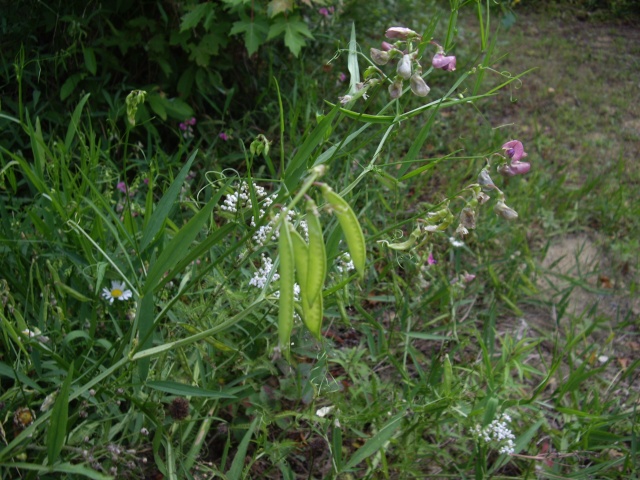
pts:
pixel 48 401
pixel 344 263
pixel 324 411
pixel 36 334
pixel 456 243
pixel 117 292
pixel 497 435
pixel 261 276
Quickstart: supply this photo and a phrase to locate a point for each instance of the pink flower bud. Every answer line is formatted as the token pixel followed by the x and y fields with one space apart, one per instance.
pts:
pixel 514 150
pixel 386 46
pixel 418 86
pixel 378 56
pixel 400 33
pixel 468 277
pixel 404 67
pixel 445 63
pixel 395 89
pixel 223 136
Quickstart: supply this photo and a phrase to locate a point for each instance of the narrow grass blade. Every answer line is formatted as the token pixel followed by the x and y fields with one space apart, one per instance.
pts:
pixel 298 164
pixel 184 390
pixel 235 472
pixel 178 247
pixel 166 203
pixel 376 442
pixel 58 424
pixel 77 470
pixel 75 122
pixel 352 61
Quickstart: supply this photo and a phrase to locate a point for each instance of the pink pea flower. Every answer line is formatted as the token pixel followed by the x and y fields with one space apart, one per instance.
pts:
pixel 324 12
pixel 122 187
pixel 342 77
pixel 514 150
pixel 400 33
pixel 430 259
pixel 192 121
pixel 183 126
pixel 516 168
pixel 223 136
pixel 446 63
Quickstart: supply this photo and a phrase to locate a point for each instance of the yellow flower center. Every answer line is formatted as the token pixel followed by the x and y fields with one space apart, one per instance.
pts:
pixel 116 293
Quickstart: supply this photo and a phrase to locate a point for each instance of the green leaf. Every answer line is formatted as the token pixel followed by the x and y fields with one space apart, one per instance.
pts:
pixel 178 247
pixel 75 121
pixel 279 6
pixel 157 105
pixel 255 32
pixel 294 31
pixel 70 85
pixel 177 108
pixel 58 423
pixel 235 472
pixel 90 60
pixel 193 18
pixel 166 203
pixel 376 442
pixel 176 388
pixel 298 164
pixel 209 46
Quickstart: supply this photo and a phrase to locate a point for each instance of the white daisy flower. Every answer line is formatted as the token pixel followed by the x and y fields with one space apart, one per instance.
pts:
pixel 117 291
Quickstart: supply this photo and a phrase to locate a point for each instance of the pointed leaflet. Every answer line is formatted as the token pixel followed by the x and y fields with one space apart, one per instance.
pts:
pixel 255 31
pixel 294 31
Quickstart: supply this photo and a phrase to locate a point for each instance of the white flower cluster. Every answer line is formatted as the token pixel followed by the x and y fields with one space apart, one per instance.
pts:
pixel 344 263
pixel 242 198
pixel 261 276
pixel 268 232
pixel 497 434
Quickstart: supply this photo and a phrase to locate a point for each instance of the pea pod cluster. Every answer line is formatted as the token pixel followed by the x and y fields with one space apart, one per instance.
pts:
pixel 306 262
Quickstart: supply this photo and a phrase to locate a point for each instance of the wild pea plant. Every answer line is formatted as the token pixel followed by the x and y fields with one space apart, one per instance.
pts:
pixel 146 337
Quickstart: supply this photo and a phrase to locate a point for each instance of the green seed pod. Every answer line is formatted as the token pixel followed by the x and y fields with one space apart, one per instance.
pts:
pixel 317 266
pixel 311 312
pixel 350 226
pixel 286 270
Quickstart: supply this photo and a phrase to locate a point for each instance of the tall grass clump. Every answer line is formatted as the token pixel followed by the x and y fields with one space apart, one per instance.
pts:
pixel 320 299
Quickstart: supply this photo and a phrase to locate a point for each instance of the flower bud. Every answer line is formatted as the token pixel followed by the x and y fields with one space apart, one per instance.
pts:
pixel 386 46
pixel 447 64
pixel 400 33
pixel 468 218
pixel 404 66
pixel 485 180
pixel 378 56
pixel 395 89
pixel 501 209
pixel 418 86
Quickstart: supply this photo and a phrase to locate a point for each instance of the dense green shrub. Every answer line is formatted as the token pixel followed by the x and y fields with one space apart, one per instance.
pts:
pixel 189 56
